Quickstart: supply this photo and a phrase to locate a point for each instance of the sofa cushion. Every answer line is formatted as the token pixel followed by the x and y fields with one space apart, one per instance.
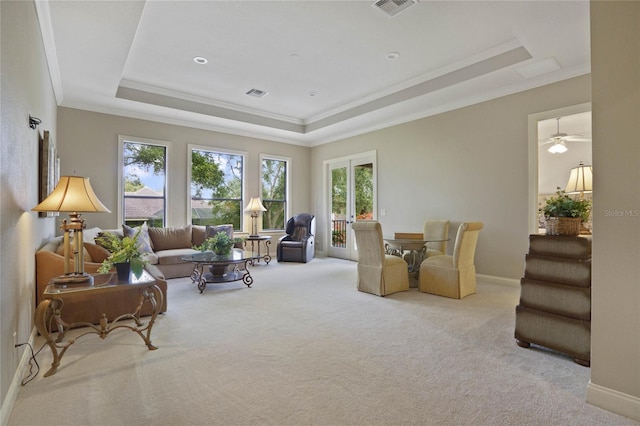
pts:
pixel 197 234
pixel 170 238
pixel 144 240
pixel 173 256
pixel 151 258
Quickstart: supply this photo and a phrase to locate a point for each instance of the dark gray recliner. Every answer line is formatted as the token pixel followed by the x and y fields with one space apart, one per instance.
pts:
pixel 298 244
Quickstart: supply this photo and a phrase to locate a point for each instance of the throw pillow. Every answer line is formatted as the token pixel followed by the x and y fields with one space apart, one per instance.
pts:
pixel 89 235
pixel 143 238
pixel 98 254
pixel 299 233
pixel 213 230
pixel 197 234
pixel 170 238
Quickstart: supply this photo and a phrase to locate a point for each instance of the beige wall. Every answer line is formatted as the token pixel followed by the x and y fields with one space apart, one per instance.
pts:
pixel 615 362
pixel 466 164
pixel 25 87
pixel 470 164
pixel 89 146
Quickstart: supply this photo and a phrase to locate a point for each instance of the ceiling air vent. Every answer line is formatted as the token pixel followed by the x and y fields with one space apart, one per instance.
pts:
pixel 393 7
pixel 256 93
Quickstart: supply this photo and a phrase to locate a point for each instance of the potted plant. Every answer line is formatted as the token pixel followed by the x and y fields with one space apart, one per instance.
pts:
pixel 220 244
pixel 563 214
pixel 124 251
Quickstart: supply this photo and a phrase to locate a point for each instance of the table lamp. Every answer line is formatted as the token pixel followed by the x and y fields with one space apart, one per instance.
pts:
pixel 254 207
pixel 580 180
pixel 74 195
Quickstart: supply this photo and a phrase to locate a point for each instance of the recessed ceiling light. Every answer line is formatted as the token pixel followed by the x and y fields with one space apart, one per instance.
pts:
pixel 312 94
pixel 200 60
pixel 393 55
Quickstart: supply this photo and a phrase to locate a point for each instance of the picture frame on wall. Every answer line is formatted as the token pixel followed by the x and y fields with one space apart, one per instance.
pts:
pixel 49 169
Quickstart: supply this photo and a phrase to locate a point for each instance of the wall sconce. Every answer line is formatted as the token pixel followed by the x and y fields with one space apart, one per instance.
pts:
pixel 34 121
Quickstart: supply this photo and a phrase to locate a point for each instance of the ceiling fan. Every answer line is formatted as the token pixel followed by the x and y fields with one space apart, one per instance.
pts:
pixel 558 140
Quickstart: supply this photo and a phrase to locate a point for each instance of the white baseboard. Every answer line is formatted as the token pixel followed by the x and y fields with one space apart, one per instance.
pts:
pixel 16 382
pixel 614 401
pixel 511 282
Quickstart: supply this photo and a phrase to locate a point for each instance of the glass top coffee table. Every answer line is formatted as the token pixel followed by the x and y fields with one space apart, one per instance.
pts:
pixel 221 268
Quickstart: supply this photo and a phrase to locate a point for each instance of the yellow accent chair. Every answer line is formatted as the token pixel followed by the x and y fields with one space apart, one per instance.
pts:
pixel 453 276
pixel 436 230
pixel 378 273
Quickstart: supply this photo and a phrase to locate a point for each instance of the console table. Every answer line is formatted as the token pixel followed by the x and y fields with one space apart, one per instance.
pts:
pixel 49 310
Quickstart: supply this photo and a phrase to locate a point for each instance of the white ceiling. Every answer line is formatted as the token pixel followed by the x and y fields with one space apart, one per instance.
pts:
pixel 135 58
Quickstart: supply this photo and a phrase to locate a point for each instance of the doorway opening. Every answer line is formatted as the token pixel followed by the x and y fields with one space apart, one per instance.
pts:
pixel 551 170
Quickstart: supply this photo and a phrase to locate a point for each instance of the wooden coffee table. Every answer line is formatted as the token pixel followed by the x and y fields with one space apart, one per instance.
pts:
pixel 219 267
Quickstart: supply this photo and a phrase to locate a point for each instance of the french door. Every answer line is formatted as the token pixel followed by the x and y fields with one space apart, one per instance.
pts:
pixel 352 197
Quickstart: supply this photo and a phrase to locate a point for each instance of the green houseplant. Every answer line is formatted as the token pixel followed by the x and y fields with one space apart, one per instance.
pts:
pixel 220 243
pixel 123 250
pixel 564 214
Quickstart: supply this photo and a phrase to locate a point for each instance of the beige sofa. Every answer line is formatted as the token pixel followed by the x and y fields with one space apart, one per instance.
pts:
pixel 167 246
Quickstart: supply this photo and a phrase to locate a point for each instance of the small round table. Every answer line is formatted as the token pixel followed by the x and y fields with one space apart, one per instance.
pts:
pixel 417 249
pixel 258 238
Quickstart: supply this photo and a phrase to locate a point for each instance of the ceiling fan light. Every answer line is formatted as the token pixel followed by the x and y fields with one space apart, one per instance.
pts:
pixel 558 148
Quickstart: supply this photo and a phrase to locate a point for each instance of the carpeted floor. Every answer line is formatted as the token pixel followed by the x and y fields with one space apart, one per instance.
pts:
pixel 303 347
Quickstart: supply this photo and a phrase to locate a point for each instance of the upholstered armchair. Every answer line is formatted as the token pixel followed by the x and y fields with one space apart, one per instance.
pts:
pixel 436 230
pixel 453 276
pixel 378 273
pixel 298 244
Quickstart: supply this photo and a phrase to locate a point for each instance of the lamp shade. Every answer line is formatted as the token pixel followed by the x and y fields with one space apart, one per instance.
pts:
pixel 72 194
pixel 255 205
pixel 580 180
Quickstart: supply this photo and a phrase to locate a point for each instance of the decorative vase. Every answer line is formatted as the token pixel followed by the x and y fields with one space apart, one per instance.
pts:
pixel 124 271
pixel 218 271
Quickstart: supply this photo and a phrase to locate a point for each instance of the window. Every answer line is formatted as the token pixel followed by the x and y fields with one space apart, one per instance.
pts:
pixel 143 182
pixel 275 184
pixel 216 187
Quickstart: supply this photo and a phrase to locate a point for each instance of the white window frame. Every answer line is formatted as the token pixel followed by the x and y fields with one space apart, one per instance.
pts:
pixel 190 148
pixel 134 139
pixel 287 201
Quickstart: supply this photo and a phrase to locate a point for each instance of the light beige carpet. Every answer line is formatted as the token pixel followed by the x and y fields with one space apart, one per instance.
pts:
pixel 303 347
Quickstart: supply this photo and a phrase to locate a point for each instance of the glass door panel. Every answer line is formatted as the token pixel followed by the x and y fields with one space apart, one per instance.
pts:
pixel 352 197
